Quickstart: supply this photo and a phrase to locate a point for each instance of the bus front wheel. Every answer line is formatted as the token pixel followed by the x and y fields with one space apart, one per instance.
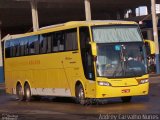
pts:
pixel 126 99
pixel 80 95
pixel 27 92
pixel 19 92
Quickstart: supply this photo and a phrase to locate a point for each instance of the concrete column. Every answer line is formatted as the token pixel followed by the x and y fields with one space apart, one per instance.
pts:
pixel 87 10
pixel 0 30
pixel 1 59
pixel 35 21
pixel 155 35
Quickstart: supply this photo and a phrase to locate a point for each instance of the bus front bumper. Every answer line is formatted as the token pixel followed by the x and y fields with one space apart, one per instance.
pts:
pixel 110 92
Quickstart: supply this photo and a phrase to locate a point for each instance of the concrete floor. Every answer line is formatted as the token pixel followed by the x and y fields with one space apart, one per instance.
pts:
pixel 66 109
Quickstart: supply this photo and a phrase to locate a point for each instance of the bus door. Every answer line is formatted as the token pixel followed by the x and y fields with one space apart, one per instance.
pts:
pixel 87 61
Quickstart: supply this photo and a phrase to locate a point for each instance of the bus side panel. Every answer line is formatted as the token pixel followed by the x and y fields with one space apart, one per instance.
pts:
pixel 48 76
pixel 57 78
pixel 9 83
pixel 39 79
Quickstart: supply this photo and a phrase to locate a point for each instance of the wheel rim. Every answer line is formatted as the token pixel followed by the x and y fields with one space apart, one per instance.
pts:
pixel 81 96
pixel 28 93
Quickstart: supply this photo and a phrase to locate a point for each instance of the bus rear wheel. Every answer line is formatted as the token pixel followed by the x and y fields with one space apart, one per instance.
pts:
pixel 126 99
pixel 80 95
pixel 27 93
pixel 19 92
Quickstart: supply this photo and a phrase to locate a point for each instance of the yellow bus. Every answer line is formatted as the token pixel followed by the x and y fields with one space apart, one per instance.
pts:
pixel 81 59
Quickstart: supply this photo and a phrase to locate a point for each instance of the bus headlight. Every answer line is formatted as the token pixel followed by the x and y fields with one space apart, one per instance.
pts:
pixel 144 81
pixel 104 83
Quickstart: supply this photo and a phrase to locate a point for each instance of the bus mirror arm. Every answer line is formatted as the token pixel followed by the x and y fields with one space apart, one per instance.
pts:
pixel 151 46
pixel 94 48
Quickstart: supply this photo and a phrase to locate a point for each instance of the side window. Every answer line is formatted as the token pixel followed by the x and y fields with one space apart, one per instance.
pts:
pixel 71 40
pixel 26 46
pixel 86 54
pixel 13 48
pixel 49 40
pixel 58 41
pixel 17 47
pixel 33 45
pixel 54 43
pixel 22 46
pixel 7 49
pixel 45 43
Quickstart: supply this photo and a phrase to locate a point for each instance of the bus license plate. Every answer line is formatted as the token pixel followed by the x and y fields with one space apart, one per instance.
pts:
pixel 126 91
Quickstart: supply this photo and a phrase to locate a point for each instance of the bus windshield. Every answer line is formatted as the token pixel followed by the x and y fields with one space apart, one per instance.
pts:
pixel 121 51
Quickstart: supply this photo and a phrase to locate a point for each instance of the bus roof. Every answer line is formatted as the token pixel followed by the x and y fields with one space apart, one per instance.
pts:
pixel 66 25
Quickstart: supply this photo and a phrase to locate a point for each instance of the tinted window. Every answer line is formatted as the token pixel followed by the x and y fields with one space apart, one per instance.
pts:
pixel 45 43
pixel 33 45
pixel 7 49
pixel 60 41
pixel 17 47
pixel 71 40
pixel 26 45
pixel 13 48
pixel 22 46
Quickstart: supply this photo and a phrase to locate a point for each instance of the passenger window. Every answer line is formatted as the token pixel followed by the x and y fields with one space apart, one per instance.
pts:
pixel 7 49
pixel 71 40
pixel 58 41
pixel 17 47
pixel 45 43
pixel 33 45
pixel 54 43
pixel 22 46
pixel 49 40
pixel 26 46
pixel 13 48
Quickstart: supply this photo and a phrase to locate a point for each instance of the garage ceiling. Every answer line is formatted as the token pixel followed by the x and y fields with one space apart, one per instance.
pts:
pixel 16 16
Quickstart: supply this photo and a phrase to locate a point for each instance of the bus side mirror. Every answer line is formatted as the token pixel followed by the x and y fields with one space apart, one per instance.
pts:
pixel 94 48
pixel 150 46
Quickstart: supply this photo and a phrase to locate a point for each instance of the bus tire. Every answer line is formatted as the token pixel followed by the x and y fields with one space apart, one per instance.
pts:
pixel 19 92
pixel 80 95
pixel 126 99
pixel 27 92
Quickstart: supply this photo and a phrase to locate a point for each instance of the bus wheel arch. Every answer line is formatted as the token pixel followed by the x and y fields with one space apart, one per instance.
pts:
pixel 80 93
pixel 27 91
pixel 19 91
